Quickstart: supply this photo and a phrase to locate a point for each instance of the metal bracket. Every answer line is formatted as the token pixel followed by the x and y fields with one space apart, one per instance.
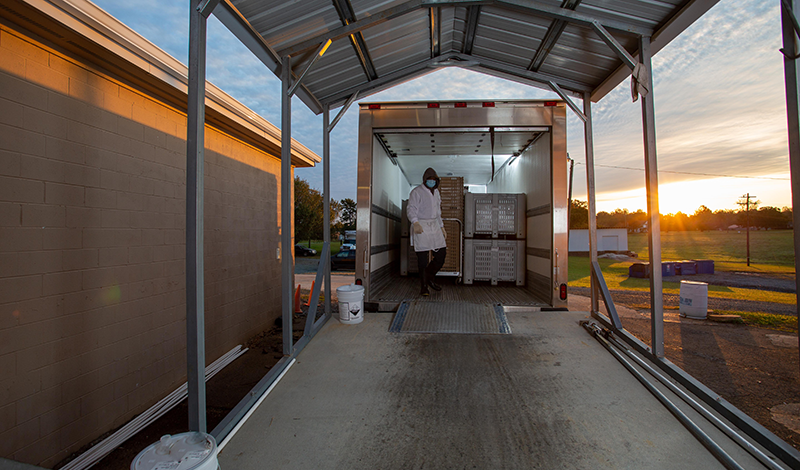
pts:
pixel 626 58
pixel 554 86
pixel 795 24
pixel 789 56
pixel 207 7
pixel 345 106
pixel 597 274
pixel 320 50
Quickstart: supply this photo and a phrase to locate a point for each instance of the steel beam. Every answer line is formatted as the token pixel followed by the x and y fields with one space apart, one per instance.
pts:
pixel 521 72
pixel 791 69
pixel 471 28
pixel 567 100
pixel 551 37
pixel 340 114
pixel 320 50
pixel 287 261
pixel 588 141
pixel 436 30
pixel 654 224
pixel 353 27
pixel 229 16
pixel 207 7
pixel 549 11
pixel 615 46
pixel 347 15
pixel 195 294
pixel 326 195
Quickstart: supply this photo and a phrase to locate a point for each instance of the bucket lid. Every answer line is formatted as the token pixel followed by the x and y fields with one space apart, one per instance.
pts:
pixel 185 451
pixel 694 283
pixel 350 288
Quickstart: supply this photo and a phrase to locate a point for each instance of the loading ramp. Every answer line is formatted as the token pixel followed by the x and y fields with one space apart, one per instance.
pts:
pixel 546 396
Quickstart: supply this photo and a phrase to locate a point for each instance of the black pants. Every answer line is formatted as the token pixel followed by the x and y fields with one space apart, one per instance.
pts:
pixel 427 272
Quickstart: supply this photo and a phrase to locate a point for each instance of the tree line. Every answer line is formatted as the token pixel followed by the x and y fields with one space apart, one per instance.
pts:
pixel 703 219
pixel 308 206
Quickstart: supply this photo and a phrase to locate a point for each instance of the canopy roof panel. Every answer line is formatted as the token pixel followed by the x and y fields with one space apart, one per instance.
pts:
pixel 377 44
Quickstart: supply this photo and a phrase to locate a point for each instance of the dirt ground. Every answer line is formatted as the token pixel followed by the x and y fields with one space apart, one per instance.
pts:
pixel 756 369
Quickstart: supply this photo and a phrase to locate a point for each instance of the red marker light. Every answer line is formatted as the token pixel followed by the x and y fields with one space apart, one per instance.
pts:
pixel 433 105
pixel 551 103
pixel 461 105
pixel 359 282
pixel 563 292
pixel 374 106
pixel 488 104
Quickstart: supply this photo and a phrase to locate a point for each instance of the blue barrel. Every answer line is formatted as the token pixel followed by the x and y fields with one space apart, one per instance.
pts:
pixel 640 270
pixel 705 266
pixel 667 268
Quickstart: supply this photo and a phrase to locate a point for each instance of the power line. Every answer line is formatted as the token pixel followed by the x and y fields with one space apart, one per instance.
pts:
pixel 687 172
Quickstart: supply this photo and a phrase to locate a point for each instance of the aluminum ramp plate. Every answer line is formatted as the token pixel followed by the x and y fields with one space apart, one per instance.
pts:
pixel 450 317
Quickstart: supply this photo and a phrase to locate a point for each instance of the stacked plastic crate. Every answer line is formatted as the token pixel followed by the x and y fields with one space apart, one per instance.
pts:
pixel 451 190
pixel 494 238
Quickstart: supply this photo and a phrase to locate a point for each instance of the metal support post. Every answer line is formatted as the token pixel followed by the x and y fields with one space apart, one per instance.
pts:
pixel 554 86
pixel 195 145
pixel 651 184
pixel 791 69
pixel 326 195
pixel 287 262
pixel 588 140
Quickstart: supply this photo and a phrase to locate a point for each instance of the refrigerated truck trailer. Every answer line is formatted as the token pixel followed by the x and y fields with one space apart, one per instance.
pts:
pixel 516 147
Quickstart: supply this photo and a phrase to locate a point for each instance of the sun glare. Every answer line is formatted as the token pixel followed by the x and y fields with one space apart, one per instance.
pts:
pixel 715 193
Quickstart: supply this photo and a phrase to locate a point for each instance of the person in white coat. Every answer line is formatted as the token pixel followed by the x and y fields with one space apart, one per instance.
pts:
pixel 428 234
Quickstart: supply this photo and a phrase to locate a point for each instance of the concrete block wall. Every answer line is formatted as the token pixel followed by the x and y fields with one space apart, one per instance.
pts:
pixel 92 215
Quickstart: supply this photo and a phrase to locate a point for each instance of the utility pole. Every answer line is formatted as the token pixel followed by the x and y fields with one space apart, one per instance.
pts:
pixel 746 203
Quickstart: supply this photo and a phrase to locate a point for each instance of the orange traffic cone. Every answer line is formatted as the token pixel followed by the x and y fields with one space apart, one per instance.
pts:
pixel 308 302
pixel 297 300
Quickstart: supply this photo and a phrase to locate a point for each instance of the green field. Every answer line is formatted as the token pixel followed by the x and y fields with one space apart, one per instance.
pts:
pixel 770 252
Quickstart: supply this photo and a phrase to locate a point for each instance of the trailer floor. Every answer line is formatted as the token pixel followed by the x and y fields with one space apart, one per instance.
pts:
pixel 401 288
pixel 546 396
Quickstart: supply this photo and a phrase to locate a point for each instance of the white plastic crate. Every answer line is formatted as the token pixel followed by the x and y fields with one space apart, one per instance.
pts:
pixel 494 214
pixel 495 261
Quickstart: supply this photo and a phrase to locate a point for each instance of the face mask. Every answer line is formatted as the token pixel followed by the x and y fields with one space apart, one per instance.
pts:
pixel 430 183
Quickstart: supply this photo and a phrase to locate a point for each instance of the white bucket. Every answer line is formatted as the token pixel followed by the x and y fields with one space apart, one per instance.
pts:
pixel 351 304
pixel 694 300
pixel 185 451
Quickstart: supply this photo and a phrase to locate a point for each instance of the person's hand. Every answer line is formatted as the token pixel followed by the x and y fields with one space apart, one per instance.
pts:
pixel 444 232
pixel 418 228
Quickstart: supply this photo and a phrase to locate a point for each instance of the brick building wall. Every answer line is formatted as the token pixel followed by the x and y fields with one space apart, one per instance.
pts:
pixel 92 215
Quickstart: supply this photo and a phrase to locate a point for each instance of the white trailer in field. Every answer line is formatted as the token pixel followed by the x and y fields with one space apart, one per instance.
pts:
pixel 513 148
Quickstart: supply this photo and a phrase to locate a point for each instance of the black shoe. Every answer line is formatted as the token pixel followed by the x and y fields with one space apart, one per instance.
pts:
pixel 434 286
pixel 424 291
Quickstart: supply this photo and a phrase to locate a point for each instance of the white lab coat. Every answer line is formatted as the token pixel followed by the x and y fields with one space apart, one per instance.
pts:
pixel 426 208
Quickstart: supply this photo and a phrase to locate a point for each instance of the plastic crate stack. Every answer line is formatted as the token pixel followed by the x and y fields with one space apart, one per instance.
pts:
pixel 494 238
pixel 451 190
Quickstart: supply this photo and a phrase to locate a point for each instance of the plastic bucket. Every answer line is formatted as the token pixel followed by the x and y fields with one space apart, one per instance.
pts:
pixel 351 304
pixel 694 300
pixel 185 451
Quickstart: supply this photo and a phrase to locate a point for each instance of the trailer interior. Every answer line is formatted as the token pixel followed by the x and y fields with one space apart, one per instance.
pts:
pixel 478 149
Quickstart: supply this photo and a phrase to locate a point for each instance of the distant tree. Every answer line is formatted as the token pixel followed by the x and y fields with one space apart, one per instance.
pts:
pixel 579 215
pixel 703 219
pixel 348 217
pixel 786 213
pixel 308 211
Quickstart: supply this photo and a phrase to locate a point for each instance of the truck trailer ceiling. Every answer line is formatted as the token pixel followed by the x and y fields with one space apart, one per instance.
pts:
pixel 579 46
pixel 463 151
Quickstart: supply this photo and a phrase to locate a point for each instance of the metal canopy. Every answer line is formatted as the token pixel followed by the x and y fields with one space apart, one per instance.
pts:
pixel 378 44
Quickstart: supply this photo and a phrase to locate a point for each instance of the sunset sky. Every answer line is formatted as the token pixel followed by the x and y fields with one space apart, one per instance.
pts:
pixel 719 100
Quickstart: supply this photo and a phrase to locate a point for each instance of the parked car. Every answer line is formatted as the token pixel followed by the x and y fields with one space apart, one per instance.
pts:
pixel 300 250
pixel 344 260
pixel 348 245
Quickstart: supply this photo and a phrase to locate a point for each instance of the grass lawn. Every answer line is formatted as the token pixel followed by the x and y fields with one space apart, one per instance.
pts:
pixel 317 245
pixel 770 252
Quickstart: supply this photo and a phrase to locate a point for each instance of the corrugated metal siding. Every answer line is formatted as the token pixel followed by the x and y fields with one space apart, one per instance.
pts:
pixel 397 44
pixel 509 36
